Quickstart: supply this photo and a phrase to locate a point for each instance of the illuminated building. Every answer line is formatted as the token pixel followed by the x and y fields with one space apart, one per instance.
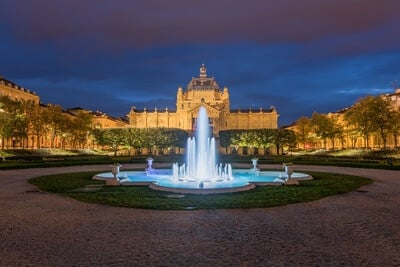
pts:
pixel 16 92
pixel 204 91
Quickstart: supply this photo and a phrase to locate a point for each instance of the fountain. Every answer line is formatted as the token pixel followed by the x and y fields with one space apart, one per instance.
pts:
pixel 115 172
pixel 254 162
pixel 149 169
pixel 201 163
pixel 288 167
pixel 201 170
pixel 201 174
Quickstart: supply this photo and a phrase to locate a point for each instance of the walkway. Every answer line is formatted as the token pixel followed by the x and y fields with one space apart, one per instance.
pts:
pixel 361 228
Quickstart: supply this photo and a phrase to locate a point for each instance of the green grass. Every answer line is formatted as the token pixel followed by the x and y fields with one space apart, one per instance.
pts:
pixel 323 185
pixel 61 183
pixel 40 161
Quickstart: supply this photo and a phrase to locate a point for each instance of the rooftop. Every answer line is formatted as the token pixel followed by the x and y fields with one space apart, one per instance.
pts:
pixel 13 85
pixel 203 82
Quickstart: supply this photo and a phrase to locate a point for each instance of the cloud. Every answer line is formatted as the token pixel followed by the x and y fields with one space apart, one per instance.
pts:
pixel 365 91
pixel 142 23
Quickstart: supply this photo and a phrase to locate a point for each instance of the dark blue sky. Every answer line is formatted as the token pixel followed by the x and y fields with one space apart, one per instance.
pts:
pixel 299 56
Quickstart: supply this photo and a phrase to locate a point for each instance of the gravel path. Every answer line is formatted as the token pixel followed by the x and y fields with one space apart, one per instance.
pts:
pixel 361 228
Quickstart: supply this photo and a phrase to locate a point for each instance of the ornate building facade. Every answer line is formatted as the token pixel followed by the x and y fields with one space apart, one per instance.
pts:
pixel 204 91
pixel 16 92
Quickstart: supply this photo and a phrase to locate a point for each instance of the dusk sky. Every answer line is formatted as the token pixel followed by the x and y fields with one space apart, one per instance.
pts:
pixel 299 56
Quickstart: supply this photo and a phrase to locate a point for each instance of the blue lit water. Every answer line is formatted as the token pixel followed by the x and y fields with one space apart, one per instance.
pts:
pixel 163 177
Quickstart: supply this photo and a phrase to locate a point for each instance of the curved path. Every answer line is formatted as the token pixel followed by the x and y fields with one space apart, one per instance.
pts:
pixel 361 228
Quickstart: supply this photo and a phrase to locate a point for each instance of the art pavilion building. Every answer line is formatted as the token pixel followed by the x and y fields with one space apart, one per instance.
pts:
pixel 204 91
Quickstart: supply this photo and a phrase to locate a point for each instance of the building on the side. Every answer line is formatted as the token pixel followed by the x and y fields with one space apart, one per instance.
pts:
pixel 394 98
pixel 59 140
pixel 16 92
pixel 204 91
pixel 101 120
pixel 351 139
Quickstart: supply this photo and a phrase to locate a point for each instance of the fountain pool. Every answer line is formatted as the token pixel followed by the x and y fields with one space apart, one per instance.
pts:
pixel 243 180
pixel 201 173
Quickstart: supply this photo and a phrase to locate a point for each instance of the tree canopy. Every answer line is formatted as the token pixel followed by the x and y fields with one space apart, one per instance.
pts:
pixel 373 114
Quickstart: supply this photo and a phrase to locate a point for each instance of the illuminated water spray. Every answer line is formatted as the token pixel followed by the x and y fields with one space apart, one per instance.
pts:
pixel 201 162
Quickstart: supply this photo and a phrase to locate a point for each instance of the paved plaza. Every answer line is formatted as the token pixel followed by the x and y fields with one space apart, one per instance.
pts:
pixel 361 228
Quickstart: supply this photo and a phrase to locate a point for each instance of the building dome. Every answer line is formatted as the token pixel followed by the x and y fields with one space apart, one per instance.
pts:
pixel 203 82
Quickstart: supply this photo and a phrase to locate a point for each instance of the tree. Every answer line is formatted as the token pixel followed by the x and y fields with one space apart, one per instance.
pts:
pixel 353 134
pixel 165 138
pixel 395 126
pixel 340 134
pixel 174 138
pixel 336 131
pixel 282 138
pixel 226 138
pixel 130 136
pixel 36 123
pixel 13 122
pixel 303 130
pixel 243 138
pixel 371 114
pixel 324 127
pixel 265 138
pixel 81 125
pixel 249 139
pixel 383 115
pixel 253 138
pixel 54 119
pixel 112 137
pixel 6 119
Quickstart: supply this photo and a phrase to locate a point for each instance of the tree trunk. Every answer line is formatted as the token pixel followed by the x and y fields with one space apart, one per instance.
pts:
pixel 52 141
pixel 367 142
pixel 38 141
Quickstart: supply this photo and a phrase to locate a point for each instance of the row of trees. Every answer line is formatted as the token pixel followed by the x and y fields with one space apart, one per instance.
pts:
pixel 258 138
pixel 371 115
pixel 165 138
pixel 139 138
pixel 22 119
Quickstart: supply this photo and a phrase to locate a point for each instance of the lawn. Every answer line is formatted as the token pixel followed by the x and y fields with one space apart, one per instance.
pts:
pixel 323 185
